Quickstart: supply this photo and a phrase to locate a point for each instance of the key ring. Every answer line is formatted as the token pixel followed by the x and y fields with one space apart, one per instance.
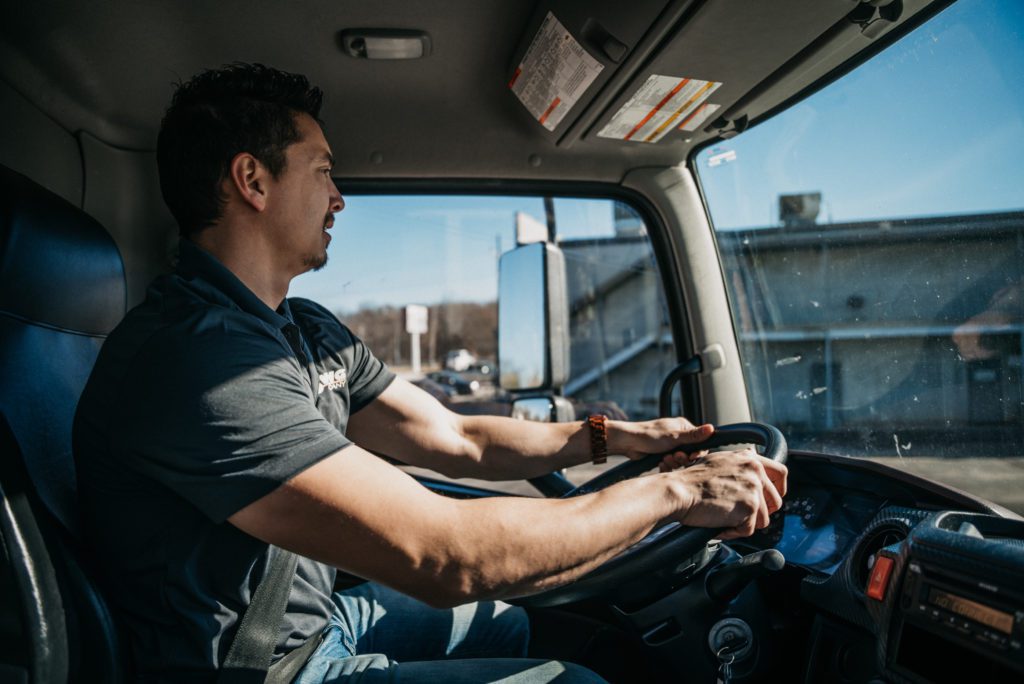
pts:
pixel 722 659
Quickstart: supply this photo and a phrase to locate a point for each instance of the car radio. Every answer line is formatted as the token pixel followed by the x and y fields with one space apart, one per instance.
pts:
pixel 961 608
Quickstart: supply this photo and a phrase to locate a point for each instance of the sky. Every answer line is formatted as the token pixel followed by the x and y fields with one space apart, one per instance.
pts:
pixel 932 126
pixel 428 249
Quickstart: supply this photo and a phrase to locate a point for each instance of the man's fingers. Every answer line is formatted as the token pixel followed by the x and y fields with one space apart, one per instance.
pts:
pixel 762 515
pixel 679 459
pixel 777 473
pixel 772 497
pixel 691 435
pixel 744 529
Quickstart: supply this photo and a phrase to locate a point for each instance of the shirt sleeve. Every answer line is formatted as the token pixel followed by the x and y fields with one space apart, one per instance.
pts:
pixel 368 376
pixel 222 416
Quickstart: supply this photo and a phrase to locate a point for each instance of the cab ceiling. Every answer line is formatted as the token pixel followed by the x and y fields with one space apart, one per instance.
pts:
pixel 109 68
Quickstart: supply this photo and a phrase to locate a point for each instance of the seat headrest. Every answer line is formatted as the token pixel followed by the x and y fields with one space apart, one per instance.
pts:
pixel 58 266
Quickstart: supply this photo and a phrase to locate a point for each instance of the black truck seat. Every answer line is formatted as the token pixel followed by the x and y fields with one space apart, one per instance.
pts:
pixel 62 290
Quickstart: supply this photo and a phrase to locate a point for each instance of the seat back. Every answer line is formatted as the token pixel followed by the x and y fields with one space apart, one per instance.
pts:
pixel 62 290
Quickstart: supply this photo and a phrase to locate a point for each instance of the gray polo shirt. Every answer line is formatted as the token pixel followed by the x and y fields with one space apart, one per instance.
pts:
pixel 202 401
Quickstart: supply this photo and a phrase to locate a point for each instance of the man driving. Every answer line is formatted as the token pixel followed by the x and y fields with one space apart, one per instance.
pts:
pixel 223 419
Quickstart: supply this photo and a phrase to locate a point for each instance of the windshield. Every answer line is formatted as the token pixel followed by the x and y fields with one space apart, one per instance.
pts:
pixel 872 238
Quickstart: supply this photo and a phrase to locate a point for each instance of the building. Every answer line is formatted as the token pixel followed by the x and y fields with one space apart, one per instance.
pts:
pixel 856 330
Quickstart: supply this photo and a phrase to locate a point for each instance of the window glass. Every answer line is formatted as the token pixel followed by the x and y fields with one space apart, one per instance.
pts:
pixel 442 252
pixel 873 242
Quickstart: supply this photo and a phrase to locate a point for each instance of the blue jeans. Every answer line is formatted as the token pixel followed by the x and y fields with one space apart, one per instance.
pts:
pixel 379 635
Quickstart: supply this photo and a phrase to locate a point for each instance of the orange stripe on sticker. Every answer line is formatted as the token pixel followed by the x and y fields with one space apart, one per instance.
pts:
pixel 693 115
pixel 657 107
pixel 551 108
pixel 514 77
pixel 668 122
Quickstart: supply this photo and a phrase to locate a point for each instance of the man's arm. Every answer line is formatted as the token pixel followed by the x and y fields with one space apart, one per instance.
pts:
pixel 406 423
pixel 356 512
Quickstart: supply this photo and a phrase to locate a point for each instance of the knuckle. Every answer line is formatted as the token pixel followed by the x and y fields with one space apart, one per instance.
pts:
pixel 745 506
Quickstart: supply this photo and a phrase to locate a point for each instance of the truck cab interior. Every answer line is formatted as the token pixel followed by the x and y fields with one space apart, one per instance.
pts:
pixel 803 218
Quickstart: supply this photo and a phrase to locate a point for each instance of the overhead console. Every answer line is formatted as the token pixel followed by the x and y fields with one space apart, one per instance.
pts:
pixel 674 73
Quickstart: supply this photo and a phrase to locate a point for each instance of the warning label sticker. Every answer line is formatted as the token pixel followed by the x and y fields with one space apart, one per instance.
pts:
pixel 699 116
pixel 661 103
pixel 553 74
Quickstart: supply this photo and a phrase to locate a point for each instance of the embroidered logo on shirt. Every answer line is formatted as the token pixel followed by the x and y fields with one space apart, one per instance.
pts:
pixel 332 380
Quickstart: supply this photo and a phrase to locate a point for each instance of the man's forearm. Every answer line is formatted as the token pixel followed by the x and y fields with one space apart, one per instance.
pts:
pixel 502 448
pixel 508 546
pixel 356 512
pixel 506 449
pixel 411 426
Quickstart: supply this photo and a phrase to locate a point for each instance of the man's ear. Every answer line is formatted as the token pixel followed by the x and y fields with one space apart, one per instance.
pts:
pixel 247 177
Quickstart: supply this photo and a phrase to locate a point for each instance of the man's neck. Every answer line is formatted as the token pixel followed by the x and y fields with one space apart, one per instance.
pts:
pixel 253 265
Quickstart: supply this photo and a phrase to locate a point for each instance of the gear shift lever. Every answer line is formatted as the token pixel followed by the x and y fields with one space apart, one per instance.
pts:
pixel 725 582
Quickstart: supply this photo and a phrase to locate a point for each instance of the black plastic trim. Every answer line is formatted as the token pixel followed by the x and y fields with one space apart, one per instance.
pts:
pixel 944 495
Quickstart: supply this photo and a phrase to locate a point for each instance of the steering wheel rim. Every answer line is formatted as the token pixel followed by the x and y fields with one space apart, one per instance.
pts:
pixel 665 545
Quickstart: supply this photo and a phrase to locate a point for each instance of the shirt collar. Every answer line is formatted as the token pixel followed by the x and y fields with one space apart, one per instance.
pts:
pixel 195 262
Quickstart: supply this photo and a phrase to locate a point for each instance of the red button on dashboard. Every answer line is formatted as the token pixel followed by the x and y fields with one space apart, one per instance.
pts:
pixel 879 577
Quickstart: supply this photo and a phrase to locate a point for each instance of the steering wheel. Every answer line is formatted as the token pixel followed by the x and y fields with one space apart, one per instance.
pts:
pixel 665 545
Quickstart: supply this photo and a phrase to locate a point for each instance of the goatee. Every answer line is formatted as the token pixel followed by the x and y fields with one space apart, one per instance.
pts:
pixel 316 261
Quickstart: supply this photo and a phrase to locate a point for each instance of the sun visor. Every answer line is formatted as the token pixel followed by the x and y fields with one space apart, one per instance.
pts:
pixel 707 64
pixel 569 53
pixel 678 72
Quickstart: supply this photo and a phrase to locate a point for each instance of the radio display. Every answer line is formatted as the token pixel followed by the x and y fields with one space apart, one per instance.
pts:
pixel 978 612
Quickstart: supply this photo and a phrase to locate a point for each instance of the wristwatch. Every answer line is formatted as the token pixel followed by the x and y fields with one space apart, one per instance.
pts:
pixel 598 438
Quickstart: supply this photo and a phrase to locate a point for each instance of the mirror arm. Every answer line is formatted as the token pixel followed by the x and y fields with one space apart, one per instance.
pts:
pixel 692 366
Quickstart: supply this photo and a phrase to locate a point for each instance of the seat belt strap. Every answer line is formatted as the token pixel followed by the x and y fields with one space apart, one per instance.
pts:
pixel 285 670
pixel 260 627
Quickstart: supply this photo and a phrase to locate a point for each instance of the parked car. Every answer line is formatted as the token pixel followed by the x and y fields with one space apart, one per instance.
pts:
pixel 459 360
pixel 454 383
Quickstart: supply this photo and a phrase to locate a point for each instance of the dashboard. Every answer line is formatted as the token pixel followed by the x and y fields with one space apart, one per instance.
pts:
pixel 913 582
pixel 816 529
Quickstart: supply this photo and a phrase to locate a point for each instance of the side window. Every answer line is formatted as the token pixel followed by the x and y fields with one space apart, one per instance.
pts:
pixel 621 345
pixel 438 255
pixel 874 255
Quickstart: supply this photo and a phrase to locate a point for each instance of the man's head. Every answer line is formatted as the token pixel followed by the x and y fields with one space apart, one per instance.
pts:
pixel 228 137
pixel 215 116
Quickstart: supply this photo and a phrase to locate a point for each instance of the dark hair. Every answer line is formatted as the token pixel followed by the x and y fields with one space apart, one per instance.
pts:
pixel 215 116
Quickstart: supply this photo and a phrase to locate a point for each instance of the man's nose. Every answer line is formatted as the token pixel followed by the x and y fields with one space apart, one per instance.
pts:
pixel 337 201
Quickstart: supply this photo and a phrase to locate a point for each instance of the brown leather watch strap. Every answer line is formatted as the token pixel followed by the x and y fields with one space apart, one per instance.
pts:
pixel 598 438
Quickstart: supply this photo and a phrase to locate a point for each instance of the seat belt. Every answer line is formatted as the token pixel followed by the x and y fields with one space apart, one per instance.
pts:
pixel 259 629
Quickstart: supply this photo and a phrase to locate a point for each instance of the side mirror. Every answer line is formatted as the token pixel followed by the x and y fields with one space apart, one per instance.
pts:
pixel 533 318
pixel 544 409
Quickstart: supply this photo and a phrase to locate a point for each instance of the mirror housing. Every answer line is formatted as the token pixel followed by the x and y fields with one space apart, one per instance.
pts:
pixel 533 319
pixel 544 409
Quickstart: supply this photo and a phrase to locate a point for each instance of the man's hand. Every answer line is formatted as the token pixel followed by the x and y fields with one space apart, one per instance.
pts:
pixel 636 440
pixel 734 490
